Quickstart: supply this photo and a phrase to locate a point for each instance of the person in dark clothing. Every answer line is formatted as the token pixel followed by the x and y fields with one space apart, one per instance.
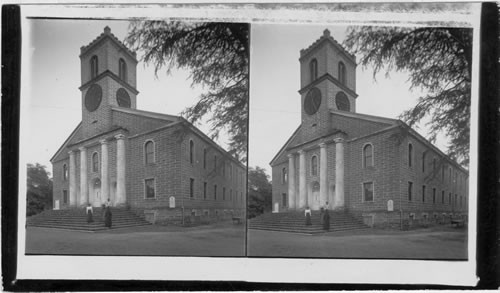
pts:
pixel 326 220
pixel 89 212
pixel 307 213
pixel 107 217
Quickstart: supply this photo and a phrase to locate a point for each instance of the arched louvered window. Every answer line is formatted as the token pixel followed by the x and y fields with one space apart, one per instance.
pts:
pixel 122 70
pixel 342 73
pixel 313 69
pixel 94 65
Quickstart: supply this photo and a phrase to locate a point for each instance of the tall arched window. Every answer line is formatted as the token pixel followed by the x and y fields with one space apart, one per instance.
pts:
pixel 65 172
pixel 94 65
pixel 368 156
pixel 284 175
pixel 149 152
pixel 122 69
pixel 410 154
pixel 342 73
pixel 313 69
pixel 314 166
pixel 95 162
pixel 191 151
pixel 423 162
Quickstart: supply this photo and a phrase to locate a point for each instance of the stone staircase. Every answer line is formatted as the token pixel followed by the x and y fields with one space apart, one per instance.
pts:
pixel 76 219
pixel 294 221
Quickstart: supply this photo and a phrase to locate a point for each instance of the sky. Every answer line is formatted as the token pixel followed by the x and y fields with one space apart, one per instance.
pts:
pixel 51 100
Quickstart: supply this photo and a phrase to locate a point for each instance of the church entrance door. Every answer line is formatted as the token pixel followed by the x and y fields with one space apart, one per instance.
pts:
pixel 314 201
pixel 96 193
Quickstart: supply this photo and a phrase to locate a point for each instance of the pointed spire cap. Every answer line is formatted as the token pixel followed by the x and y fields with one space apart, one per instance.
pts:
pixel 326 33
pixel 107 30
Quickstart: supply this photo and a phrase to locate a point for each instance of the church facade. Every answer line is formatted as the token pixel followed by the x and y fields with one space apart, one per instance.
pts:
pixel 373 167
pixel 159 165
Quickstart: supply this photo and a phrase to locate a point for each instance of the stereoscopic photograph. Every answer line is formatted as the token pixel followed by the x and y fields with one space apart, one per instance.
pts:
pixel 137 134
pixel 249 142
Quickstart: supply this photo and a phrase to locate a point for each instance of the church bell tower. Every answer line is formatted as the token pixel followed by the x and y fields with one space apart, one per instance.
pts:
pixel 327 82
pixel 108 77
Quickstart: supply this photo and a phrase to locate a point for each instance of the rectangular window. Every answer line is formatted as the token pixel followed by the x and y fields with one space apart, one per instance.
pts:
pixel 449 176
pixel 456 199
pixel 223 193
pixel 449 198
pixel 65 196
pixel 423 162
pixel 423 193
pixel 368 191
pixel 442 196
pixel 149 191
pixel 230 194
pixel 204 190
pixel 434 195
pixel 191 187
pixel 410 190
pixel 442 174
pixel 215 164
pixel 284 199
pixel 215 192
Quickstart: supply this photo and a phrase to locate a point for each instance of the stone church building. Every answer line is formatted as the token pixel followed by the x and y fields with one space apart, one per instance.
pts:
pixel 158 165
pixel 373 167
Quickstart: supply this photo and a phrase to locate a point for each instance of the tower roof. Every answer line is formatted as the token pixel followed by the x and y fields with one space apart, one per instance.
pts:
pixel 326 37
pixel 106 34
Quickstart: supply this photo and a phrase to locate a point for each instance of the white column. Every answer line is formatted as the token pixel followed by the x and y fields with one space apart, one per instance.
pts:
pixel 84 196
pixel 302 180
pixel 323 175
pixel 339 173
pixel 291 181
pixel 104 171
pixel 121 196
pixel 72 179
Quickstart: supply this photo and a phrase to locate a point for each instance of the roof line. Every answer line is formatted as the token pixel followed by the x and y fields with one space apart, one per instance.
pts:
pixel 284 146
pixel 366 117
pixel 66 141
pixel 149 114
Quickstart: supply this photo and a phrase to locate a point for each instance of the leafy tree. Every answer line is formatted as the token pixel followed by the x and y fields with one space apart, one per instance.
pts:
pixel 217 56
pixel 39 193
pixel 439 62
pixel 259 192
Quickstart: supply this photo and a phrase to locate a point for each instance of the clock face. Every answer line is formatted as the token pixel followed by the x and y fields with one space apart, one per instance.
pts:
pixel 123 98
pixel 93 97
pixel 342 102
pixel 312 101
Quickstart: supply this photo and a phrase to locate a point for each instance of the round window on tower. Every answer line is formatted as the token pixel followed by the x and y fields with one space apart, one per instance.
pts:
pixel 312 101
pixel 342 102
pixel 93 97
pixel 123 98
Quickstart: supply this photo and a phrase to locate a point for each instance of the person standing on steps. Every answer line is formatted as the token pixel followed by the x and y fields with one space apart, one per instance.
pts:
pixel 89 211
pixel 307 213
pixel 326 221
pixel 107 203
pixel 107 217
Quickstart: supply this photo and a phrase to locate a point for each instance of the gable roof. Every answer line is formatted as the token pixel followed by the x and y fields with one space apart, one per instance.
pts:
pixel 284 147
pixel 367 117
pixel 75 133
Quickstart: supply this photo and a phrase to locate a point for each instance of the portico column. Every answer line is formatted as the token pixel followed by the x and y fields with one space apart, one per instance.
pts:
pixel 104 171
pixel 72 179
pixel 84 197
pixel 121 196
pixel 302 179
pixel 339 173
pixel 291 181
pixel 323 173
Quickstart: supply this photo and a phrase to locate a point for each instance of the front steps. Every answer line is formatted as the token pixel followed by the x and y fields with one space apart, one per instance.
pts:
pixel 294 221
pixel 76 219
